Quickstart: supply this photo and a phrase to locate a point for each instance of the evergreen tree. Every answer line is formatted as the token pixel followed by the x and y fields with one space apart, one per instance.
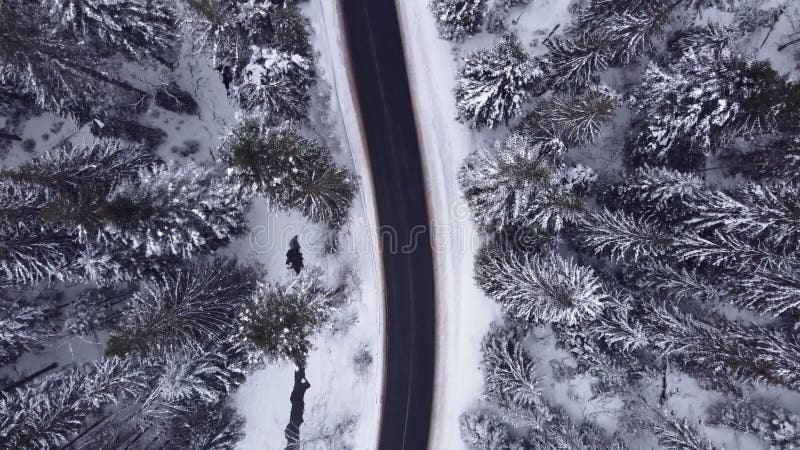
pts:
pixel 539 288
pixel 508 369
pixel 457 19
pixel 779 427
pixel 290 171
pixel 23 328
pixel 622 235
pixel 678 434
pixel 136 28
pixel 282 319
pixel 275 84
pixel 69 170
pixel 774 160
pixel 172 211
pixel 48 413
pixel 59 71
pixel 520 183
pixel 766 212
pixel 486 432
pixel 193 303
pixel 748 353
pixel 493 84
pixel 700 101
pixel 575 119
pixel 220 428
pixel 183 383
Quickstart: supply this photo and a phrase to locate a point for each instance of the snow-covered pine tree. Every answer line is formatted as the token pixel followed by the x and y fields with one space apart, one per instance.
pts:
pixel 655 192
pixel 520 183
pixel 139 29
pixel 60 72
pixel 539 288
pixel 275 84
pixel 171 211
pixel 606 33
pixel 771 160
pixel 779 427
pixel 190 304
pixel 30 254
pixel 562 433
pixel 219 428
pixel 69 170
pixel 765 212
pixel 748 353
pixel 575 119
pixel 457 19
pixel 509 373
pixel 622 235
pixel 291 171
pixel 281 320
pixel 481 431
pixel 493 84
pixel 678 434
pixel 699 101
pixel 48 413
pixel 24 327
pixel 183 382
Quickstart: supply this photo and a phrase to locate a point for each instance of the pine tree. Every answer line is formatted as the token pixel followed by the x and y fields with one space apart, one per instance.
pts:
pixel 281 320
pixel 486 432
pixel 748 353
pixel 700 101
pixel 575 119
pixel 183 383
pixel 29 254
pixel 457 19
pixel 776 425
pixel 70 170
pixel 220 428
pixel 606 33
pixel 539 288
pixel 493 84
pixel 138 29
pixel 24 327
pixel 171 211
pixel 193 303
pixel 776 159
pixel 276 84
pixel 520 183
pixel 291 171
pixel 48 413
pixel 678 434
pixel 508 370
pixel 766 212
pixel 658 192
pixel 60 72
pixel 622 235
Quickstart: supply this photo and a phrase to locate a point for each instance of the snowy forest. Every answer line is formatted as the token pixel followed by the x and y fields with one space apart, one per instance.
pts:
pixel 110 236
pixel 635 180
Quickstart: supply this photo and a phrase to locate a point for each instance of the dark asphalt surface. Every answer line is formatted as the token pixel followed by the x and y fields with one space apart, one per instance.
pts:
pixel 379 70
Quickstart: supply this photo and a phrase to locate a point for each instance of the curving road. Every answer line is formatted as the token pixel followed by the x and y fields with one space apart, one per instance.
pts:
pixel 379 72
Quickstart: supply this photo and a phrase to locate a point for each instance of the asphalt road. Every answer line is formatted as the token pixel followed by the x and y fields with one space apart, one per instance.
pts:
pixel 379 70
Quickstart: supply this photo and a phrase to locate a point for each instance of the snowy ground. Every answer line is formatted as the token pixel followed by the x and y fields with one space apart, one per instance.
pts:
pixel 339 396
pixel 343 403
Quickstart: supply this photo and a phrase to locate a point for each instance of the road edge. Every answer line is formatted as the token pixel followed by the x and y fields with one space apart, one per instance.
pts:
pixel 332 15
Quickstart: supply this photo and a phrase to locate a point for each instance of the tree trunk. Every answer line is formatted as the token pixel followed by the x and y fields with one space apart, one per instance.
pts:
pixel 30 377
pixel 292 431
